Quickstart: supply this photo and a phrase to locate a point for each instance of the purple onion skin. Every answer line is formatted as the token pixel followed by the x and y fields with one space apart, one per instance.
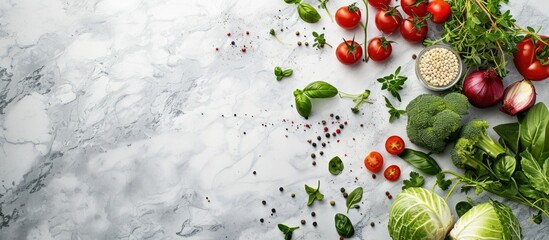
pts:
pixel 483 88
pixel 515 102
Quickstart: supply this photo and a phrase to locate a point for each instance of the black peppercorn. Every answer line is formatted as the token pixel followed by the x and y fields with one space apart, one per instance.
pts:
pixel 337 117
pixel 328 135
pixel 318 138
pixel 313 214
pixel 273 210
pixel 345 195
pixel 324 144
pixel 302 221
pixel 341 126
pixel 372 224
pixel 314 224
pixel 314 163
pixel 314 144
pixel 313 155
pixel 261 220
pixel 281 189
pixel 321 153
pixel 264 202
pixel 342 190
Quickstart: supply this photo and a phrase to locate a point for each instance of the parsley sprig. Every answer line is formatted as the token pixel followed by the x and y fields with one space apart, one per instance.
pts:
pixel 395 113
pixel 393 83
pixel 415 180
pixel 323 6
pixel 320 41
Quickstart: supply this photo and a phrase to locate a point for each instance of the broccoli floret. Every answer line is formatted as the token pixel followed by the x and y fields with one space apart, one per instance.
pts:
pixel 434 121
pixel 475 130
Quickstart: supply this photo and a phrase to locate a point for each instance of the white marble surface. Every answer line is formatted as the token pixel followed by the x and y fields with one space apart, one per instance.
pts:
pixel 112 127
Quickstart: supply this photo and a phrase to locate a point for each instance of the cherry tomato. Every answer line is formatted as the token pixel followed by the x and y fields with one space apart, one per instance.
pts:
pixel 394 145
pixel 379 49
pixel 349 52
pixel 440 11
pixel 373 161
pixel 527 58
pixel 414 29
pixel 388 19
pixel 379 3
pixel 414 7
pixel 392 173
pixel 348 17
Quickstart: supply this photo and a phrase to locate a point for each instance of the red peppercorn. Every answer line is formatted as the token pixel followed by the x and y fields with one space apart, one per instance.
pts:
pixel 325 129
pixel 338 131
pixel 243 50
pixel 373 176
pixel 390 196
pixel 247 33
pixel 217 49
pixel 228 34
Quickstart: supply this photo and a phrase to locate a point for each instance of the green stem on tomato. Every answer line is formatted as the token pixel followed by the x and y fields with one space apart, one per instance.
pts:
pixel 365 27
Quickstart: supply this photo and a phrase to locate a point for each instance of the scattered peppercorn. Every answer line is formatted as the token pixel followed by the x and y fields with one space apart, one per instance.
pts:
pixel 247 33
pixel 387 194
pixel 321 153
pixel 372 224
pixel 281 189
pixel 327 135
pixel 264 202
pixel 342 190
pixel 341 126
pixel 306 44
pixel 244 133
pixel 314 163
pixel 243 50
pixel 337 117
pixel 217 49
pixel 334 134
pixel 323 122
pixel 303 222
pixel 299 43
pixel 313 155
pixel 361 125
pixel 373 176
pixel 318 138
pixel 228 34
pixel 313 214
pixel 314 224
pixel 314 144
pixel 331 115
pixel 297 33
pixel 390 196
pixel 254 172
pixel 261 220
pixel 273 210
pixel 345 195
pixel 345 122
pixel 325 129
pixel 338 131
pixel 293 195
pixel 414 56
pixel 333 203
pixel 232 43
pixel 323 144
pixel 308 140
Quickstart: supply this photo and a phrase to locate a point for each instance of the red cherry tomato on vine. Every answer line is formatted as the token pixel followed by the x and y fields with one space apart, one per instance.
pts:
pixel 379 3
pixel 440 11
pixel 527 58
pixel 394 145
pixel 348 17
pixel 414 29
pixel 388 19
pixel 392 173
pixel 379 49
pixel 349 52
pixel 414 7
pixel 373 161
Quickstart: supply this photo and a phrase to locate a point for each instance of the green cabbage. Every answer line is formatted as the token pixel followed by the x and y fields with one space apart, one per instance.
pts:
pixel 490 220
pixel 417 213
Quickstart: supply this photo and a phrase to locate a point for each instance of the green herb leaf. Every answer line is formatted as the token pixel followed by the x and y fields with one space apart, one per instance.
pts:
pixel 395 113
pixel 344 226
pixel 415 180
pixel 504 167
pixel 302 103
pixel 287 231
pixel 354 198
pixel 314 194
pixel 533 130
pixel 335 166
pixel 393 83
pixel 421 161
pixel 444 184
pixel 320 41
pixel 462 207
pixel 320 89
pixel 292 1
pixel 308 13
pixel 539 178
pixel 279 73
pixel 287 72
pixel 510 134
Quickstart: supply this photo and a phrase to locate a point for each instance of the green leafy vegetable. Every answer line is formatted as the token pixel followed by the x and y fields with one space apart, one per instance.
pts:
pixel 395 113
pixel 418 213
pixel 509 133
pixel 323 6
pixel 393 83
pixel 415 180
pixel 320 89
pixel 279 73
pixel 357 99
pixel 504 167
pixel 273 33
pixel 335 166
pixel 314 194
pixel 354 198
pixel 533 130
pixel 287 231
pixel 292 1
pixel 308 13
pixel 344 226
pixel 421 161
pixel 463 207
pixel 320 41
pixel 302 103
pixel 442 183
pixel 539 177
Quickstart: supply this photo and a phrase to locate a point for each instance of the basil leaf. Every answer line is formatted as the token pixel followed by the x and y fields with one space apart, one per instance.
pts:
pixel 278 71
pixel 283 228
pixel 504 167
pixel 510 134
pixel 538 177
pixel 314 194
pixel 302 103
pixel 287 72
pixel 308 13
pixel 320 89
pixel 288 231
pixel 292 1
pixel 335 166
pixel 462 207
pixel 354 198
pixel 344 226
pixel 423 162
pixel 533 129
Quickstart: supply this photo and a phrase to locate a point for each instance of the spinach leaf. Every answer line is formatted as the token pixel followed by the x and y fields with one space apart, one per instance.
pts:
pixel 510 134
pixel 302 103
pixel 288 231
pixel 320 89
pixel 462 207
pixel 423 162
pixel 533 130
pixel 335 166
pixel 314 194
pixel 415 180
pixel 308 13
pixel 354 198
pixel 344 226
pixel 538 177
pixel 504 167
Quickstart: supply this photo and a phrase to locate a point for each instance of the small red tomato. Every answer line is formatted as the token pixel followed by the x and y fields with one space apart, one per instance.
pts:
pixel 379 3
pixel 394 145
pixel 529 57
pixel 349 52
pixel 348 17
pixel 392 173
pixel 414 29
pixel 440 11
pixel 388 19
pixel 379 49
pixel 414 7
pixel 373 161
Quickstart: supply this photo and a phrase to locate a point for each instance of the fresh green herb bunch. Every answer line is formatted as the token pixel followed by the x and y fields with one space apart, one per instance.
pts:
pixel 320 41
pixel 393 83
pixel 482 34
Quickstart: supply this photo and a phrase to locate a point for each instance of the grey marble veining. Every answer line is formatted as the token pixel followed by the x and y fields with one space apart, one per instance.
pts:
pixel 120 120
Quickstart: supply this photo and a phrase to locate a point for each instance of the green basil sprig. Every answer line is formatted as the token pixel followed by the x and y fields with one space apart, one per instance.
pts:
pixel 308 13
pixel 423 162
pixel 292 1
pixel 314 194
pixel 302 103
pixel 354 198
pixel 344 226
pixel 318 89
pixel 280 73
pixel 335 166
pixel 288 231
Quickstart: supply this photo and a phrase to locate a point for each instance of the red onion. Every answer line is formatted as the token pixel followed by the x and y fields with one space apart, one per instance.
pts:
pixel 518 97
pixel 483 88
